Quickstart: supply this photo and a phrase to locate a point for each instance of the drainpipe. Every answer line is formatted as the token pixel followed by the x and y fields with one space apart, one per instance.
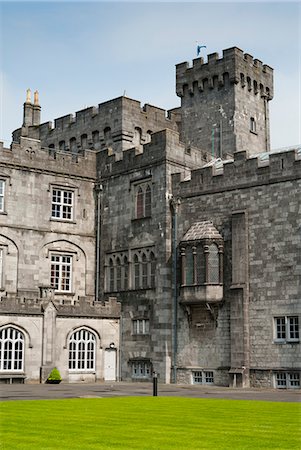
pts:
pixel 174 204
pixel 98 189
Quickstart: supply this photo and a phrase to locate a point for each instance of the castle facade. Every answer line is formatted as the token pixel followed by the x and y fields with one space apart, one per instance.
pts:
pixel 136 240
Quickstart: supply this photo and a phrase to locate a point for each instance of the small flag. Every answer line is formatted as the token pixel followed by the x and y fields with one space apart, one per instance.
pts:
pixel 198 49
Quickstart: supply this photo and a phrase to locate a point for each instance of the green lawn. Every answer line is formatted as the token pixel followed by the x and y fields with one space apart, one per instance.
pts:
pixel 149 423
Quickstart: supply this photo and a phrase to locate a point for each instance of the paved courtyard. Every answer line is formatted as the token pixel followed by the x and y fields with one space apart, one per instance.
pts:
pixel 122 389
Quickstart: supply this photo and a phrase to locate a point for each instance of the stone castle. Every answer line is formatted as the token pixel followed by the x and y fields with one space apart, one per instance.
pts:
pixel 136 240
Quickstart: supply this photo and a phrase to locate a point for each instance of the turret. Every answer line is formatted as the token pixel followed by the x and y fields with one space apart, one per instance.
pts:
pixel 224 103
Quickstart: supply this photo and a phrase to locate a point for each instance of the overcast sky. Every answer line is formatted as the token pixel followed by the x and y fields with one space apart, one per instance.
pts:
pixel 79 54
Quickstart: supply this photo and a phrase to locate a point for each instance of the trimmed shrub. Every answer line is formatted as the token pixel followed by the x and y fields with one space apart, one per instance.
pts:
pixel 54 375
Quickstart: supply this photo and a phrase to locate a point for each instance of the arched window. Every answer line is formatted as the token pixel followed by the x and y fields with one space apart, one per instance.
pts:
pixel 213 264
pixel 252 124
pixel 107 136
pixel 111 275
pixel 148 201
pixel 118 274
pixel 149 136
pixel 143 200
pixel 139 203
pixel 73 146
pixel 125 273
pixel 137 136
pixel 144 272
pixel 82 350
pixel 152 270
pixel 95 137
pixel 11 349
pixel 62 146
pixel 84 141
pixel 136 272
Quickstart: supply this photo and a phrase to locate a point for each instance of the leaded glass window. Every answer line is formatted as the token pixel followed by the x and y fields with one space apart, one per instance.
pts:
pixel 11 349
pixel 82 350
pixel 213 264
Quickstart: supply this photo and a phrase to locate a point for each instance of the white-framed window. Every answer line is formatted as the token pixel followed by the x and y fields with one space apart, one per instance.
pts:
pixel 141 326
pixel 2 192
pixel 287 380
pixel 1 267
pixel 209 377
pixel 197 377
pixel 141 369
pixel 143 200
pixel 62 204
pixel 82 350
pixel 61 272
pixel 11 350
pixel 202 377
pixel 286 329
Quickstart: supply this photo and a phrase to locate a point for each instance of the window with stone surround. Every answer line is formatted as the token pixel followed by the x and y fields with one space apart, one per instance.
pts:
pixel 287 380
pixel 117 273
pixel 61 272
pixel 2 192
pixel 144 264
pixel 138 272
pixel 202 377
pixel 62 204
pixel 252 125
pixel 1 267
pixel 141 326
pixel 143 200
pixel 82 345
pixel 286 329
pixel 11 350
pixel 141 369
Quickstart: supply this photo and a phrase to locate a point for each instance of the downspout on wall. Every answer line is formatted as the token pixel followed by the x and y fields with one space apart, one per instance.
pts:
pixel 98 190
pixel 174 205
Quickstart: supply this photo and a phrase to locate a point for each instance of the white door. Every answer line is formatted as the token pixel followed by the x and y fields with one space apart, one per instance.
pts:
pixel 110 365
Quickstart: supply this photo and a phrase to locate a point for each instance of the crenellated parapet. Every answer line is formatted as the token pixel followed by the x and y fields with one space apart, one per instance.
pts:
pixel 240 172
pixel 235 67
pixel 80 307
pixel 29 154
pixel 165 145
pixel 116 124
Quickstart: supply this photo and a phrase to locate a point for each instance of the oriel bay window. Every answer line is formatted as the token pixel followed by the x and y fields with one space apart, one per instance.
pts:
pixel 201 252
pixel 202 264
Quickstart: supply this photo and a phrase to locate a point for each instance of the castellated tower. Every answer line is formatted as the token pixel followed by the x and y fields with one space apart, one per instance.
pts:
pixel 224 103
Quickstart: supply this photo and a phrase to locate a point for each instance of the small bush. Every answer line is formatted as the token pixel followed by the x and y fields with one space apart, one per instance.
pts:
pixel 54 375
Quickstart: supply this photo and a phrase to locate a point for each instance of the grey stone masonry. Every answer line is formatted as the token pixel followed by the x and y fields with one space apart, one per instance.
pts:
pixel 224 102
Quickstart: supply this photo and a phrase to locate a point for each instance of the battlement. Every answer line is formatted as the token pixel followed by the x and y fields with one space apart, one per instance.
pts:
pixel 74 308
pixel 29 153
pixel 235 67
pixel 240 172
pixel 111 106
pixel 164 145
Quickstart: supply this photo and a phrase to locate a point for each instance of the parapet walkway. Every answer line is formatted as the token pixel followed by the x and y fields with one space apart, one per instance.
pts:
pixel 122 389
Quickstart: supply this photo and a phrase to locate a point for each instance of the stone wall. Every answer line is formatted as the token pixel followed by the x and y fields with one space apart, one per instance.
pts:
pixel 268 196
